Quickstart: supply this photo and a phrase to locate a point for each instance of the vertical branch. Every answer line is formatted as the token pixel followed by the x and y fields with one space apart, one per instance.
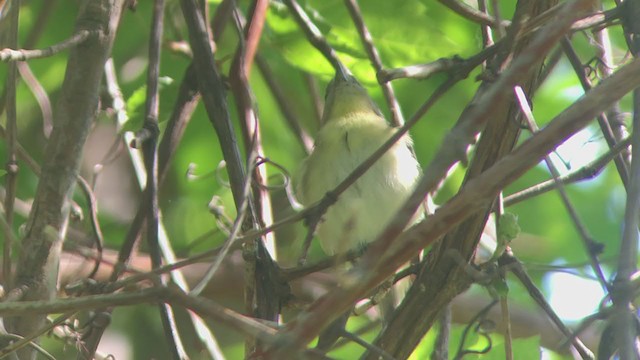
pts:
pixel 622 295
pixel 47 225
pixel 356 15
pixel 188 98
pixel 213 95
pixel 625 318
pixel 148 136
pixel 253 33
pixel 11 165
pixel 606 66
pixel 261 297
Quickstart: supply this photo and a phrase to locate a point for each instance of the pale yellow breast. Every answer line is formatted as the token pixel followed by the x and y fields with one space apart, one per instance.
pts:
pixel 363 210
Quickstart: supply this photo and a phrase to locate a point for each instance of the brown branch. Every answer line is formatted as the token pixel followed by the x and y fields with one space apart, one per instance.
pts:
pixel 40 94
pixel 149 150
pixel 38 261
pixel 253 32
pixel 312 33
pixel 472 14
pixel 213 95
pixel 507 260
pixel 285 104
pixel 367 40
pixel 11 166
pixel 79 37
pixel 603 121
pixel 447 65
pixel 588 171
pixel 592 247
pixel 262 298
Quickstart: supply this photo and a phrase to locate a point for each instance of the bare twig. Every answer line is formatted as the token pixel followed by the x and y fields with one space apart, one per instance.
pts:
pixel 441 346
pixel 149 149
pixel 284 103
pixel 313 33
pixel 11 166
pixel 588 171
pixel 624 321
pixel 40 95
pixel 509 261
pixel 472 14
pixel 446 65
pixel 29 340
pixel 262 298
pixel 93 219
pixel 79 37
pixel 592 247
pixel 605 126
pixel 367 40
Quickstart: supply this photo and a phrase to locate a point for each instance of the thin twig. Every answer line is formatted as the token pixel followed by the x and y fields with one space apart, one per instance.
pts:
pixel 509 261
pixel 605 126
pixel 231 239
pixel 149 138
pixel 367 40
pixel 586 172
pixel 40 94
pixel 592 247
pixel 29 340
pixel 446 65
pixel 624 320
pixel 506 319
pixel 312 33
pixel 93 219
pixel 441 346
pixel 472 14
pixel 213 95
pixel 11 166
pixel 82 35
pixel 285 105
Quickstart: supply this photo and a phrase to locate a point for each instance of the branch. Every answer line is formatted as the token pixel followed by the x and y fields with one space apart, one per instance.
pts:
pixel 472 14
pixel 367 40
pixel 79 37
pixel 313 33
pixel 38 263
pixel 11 166
pixel 213 95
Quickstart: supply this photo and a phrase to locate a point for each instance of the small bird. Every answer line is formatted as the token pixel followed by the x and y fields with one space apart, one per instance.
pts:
pixel 353 128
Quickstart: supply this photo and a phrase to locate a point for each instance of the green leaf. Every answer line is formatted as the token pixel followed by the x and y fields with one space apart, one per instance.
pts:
pixel 410 41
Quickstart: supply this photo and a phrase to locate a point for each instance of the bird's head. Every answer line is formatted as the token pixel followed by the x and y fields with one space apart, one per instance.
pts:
pixel 345 95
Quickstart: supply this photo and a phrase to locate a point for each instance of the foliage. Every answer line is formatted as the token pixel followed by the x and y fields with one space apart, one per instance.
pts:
pixel 405 33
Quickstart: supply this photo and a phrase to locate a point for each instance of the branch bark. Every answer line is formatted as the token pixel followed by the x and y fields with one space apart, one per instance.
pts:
pixel 46 228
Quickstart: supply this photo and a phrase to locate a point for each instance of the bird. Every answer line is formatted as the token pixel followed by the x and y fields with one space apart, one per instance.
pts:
pixel 352 129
